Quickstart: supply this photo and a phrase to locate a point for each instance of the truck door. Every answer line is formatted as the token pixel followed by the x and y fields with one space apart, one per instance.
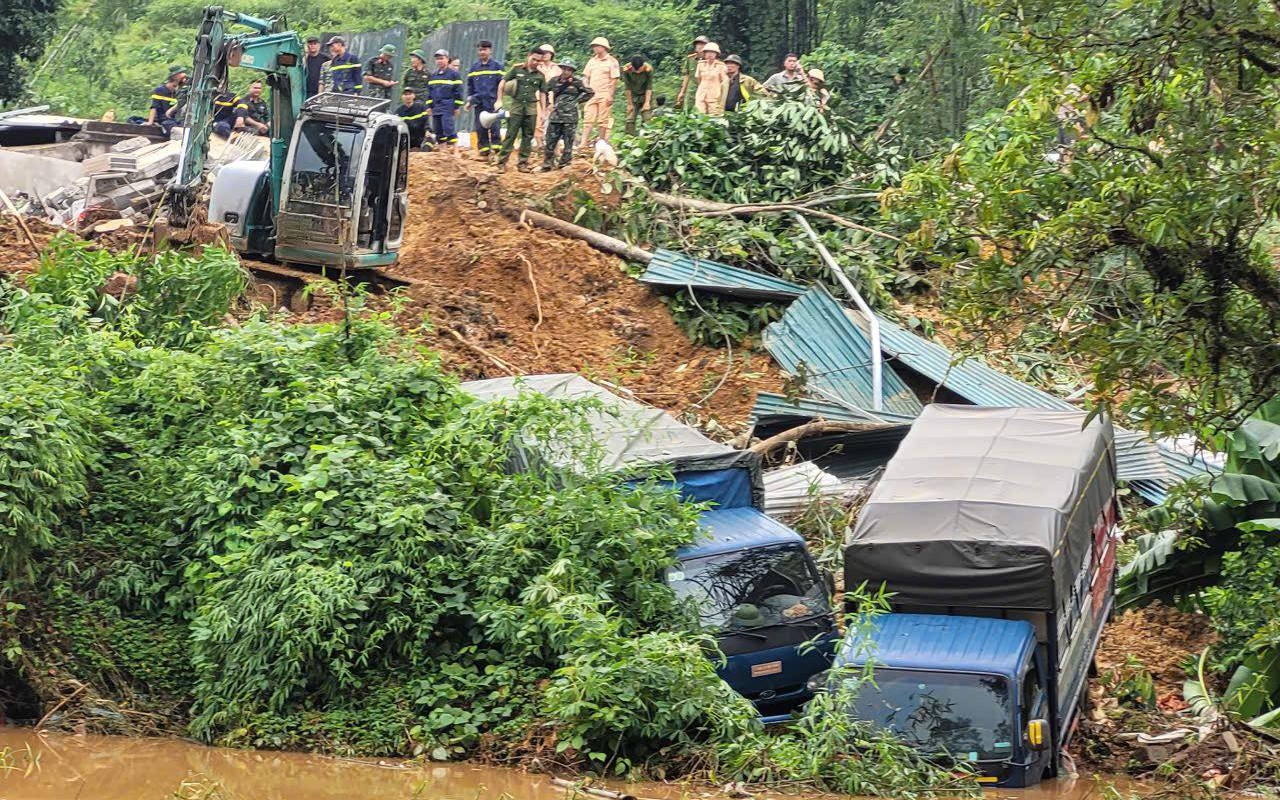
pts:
pixel 375 211
pixel 1033 703
pixel 399 195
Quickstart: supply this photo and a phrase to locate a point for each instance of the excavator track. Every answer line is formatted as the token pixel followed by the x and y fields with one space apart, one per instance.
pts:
pixel 292 280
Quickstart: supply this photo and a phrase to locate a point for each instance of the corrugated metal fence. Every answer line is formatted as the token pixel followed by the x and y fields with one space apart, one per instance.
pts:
pixel 460 39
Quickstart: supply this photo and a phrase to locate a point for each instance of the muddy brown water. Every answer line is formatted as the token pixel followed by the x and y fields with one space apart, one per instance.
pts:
pixel 63 767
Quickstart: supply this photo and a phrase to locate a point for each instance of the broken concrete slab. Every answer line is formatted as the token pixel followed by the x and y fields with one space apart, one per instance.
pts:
pixel 33 174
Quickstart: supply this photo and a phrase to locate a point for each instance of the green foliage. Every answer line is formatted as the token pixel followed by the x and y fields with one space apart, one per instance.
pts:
pixel 27 25
pixel 1130 683
pixel 1138 242
pixel 710 319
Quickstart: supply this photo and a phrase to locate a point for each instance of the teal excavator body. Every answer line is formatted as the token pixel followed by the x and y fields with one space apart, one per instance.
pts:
pixel 333 191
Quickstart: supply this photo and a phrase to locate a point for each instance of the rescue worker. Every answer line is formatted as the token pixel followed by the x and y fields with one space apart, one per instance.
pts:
pixel 568 94
pixel 741 88
pixel 414 112
pixel 791 81
pixel 482 94
pixel 601 75
pixel 164 99
pixel 379 73
pixel 344 68
pixel 818 93
pixel 224 108
pixel 416 77
pixel 550 72
pixel 712 82
pixel 445 99
pixel 688 65
pixel 637 80
pixel 521 88
pixel 251 111
pixel 313 61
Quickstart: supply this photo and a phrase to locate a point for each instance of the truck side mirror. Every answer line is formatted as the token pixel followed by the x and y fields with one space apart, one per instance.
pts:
pixel 1036 730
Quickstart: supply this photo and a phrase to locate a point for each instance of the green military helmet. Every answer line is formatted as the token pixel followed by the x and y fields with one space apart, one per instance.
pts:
pixel 747 615
pixel 567 63
pixel 421 56
pixel 177 69
pixel 388 50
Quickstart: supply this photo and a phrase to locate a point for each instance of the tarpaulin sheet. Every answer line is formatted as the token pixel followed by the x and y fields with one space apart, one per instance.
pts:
pixel 629 435
pixel 985 507
pixel 727 488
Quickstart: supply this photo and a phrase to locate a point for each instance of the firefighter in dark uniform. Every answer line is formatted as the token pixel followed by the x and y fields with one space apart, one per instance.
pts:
pixel 379 73
pixel 414 112
pixel 251 111
pixel 343 69
pixel 568 95
pixel 224 108
pixel 416 76
pixel 444 99
pixel 482 93
pixel 520 90
pixel 164 100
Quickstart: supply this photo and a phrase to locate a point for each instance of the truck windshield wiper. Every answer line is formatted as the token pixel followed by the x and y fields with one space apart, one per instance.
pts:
pixel 751 633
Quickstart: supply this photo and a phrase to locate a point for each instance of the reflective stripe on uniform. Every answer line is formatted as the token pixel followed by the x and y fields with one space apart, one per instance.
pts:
pixel 443 82
pixel 415 116
pixel 485 72
pixel 344 66
pixel 163 97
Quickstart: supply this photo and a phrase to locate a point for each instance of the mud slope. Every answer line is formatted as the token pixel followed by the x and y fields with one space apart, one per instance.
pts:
pixel 472 266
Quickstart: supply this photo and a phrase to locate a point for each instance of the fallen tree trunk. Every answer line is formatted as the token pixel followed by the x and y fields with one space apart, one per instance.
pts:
pixel 597 240
pixel 713 208
pixel 816 428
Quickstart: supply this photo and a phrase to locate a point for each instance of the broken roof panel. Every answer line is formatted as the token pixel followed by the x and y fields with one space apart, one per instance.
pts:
pixel 816 340
pixel 677 270
pixel 770 405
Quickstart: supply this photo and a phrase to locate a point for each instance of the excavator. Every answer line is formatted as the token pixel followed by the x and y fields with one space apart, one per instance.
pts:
pixel 333 192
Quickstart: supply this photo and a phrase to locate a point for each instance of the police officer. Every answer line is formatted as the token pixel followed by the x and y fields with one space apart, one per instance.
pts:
pixel 343 68
pixel 520 91
pixel 251 111
pixel 414 112
pixel 224 108
pixel 445 99
pixel 568 94
pixel 416 76
pixel 164 100
pixel 482 93
pixel 379 74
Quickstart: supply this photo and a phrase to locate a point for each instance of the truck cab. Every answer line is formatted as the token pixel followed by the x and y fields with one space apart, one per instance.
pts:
pixel 968 689
pixel 755 584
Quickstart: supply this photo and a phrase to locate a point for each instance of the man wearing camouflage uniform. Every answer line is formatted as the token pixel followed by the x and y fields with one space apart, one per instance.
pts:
pixel 379 74
pixel 567 94
pixel 520 91
pixel 416 77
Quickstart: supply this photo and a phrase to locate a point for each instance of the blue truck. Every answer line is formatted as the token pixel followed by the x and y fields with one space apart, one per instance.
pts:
pixel 751 578
pixel 994 532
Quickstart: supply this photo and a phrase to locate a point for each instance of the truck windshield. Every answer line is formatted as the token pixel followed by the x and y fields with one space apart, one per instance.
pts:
pixel 965 716
pixel 748 589
pixel 325 163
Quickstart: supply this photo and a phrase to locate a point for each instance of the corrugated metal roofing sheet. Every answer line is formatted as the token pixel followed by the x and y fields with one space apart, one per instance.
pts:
pixel 680 271
pixel 816 339
pixel 788 490
pixel 770 405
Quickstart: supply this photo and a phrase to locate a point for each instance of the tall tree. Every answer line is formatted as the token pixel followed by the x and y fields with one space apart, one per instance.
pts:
pixel 24 27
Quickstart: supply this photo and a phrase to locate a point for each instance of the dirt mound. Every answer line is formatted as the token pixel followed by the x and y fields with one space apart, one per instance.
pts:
pixel 1162 638
pixel 505 298
pixel 18 255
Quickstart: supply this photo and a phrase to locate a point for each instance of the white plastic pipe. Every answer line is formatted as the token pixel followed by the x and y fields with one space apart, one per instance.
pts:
pixel 877 385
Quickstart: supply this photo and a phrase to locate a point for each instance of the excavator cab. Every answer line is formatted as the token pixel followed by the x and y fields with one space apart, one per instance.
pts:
pixel 344 194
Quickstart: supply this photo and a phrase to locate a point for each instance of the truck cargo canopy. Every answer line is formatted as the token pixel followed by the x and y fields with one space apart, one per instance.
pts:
pixel 985 507
pixel 632 435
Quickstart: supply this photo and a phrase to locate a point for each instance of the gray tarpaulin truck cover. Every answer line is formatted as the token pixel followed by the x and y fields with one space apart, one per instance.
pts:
pixel 985 507
pixel 630 435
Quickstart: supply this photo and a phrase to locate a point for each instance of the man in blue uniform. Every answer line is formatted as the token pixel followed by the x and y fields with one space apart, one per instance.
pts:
pixel 224 113
pixel 344 68
pixel 164 100
pixel 414 113
pixel 445 99
pixel 482 92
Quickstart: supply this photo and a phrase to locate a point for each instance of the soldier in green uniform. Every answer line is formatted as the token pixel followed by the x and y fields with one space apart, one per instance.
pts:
pixel 520 91
pixel 416 76
pixel 568 94
pixel 378 75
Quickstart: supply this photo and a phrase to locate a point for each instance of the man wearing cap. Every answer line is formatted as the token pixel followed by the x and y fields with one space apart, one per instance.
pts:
pixel 817 94
pixel 521 91
pixel 740 87
pixel 444 99
pixel 482 95
pixel 414 112
pixel 379 73
pixel 313 61
pixel 550 72
pixel 601 75
pixel 416 77
pixel 687 68
pixel 343 68
pixel 712 82
pixel 164 99
pixel 568 94
pixel 637 80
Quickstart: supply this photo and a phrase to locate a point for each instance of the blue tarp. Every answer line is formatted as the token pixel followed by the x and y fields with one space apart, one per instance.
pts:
pixel 727 488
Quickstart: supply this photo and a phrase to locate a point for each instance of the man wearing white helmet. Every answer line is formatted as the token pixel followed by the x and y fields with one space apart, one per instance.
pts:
pixel 601 75
pixel 712 82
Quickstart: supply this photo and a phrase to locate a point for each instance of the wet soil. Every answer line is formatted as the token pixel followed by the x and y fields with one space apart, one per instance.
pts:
pixel 59 767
